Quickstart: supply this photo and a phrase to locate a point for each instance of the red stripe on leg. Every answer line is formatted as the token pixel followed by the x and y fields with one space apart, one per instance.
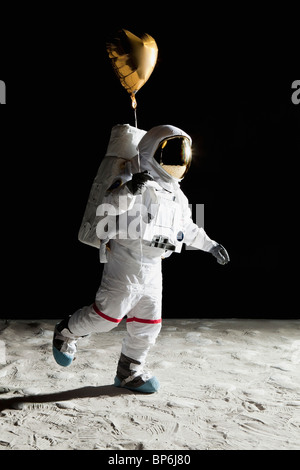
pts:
pixel 106 317
pixel 141 320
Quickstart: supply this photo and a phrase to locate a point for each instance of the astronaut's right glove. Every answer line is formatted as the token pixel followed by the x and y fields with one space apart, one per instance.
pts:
pixel 220 253
pixel 135 185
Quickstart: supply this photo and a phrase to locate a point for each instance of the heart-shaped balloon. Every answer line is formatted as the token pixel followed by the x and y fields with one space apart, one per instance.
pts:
pixel 133 59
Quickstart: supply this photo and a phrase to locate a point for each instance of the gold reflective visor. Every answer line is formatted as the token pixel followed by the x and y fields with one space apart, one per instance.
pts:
pixel 174 155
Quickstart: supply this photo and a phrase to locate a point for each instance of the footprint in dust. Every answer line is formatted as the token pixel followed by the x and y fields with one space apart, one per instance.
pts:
pixel 253 406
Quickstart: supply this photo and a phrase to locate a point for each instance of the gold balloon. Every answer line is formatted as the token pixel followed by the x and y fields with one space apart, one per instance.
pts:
pixel 133 59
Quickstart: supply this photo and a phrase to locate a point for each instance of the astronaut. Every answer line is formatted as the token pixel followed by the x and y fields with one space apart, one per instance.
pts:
pixel 131 283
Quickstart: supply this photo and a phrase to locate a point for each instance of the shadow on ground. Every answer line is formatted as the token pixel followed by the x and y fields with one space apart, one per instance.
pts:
pixel 84 392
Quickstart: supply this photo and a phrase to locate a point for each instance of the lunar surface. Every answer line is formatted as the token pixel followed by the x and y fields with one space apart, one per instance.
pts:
pixel 225 384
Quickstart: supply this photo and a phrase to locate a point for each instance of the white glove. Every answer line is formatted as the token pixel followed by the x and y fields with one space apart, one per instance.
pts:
pixel 220 253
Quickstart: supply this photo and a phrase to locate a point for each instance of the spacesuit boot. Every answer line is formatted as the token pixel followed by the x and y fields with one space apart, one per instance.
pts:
pixel 64 344
pixel 130 375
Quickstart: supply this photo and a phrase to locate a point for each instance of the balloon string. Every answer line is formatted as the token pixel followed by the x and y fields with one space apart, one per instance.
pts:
pixel 135 117
pixel 134 105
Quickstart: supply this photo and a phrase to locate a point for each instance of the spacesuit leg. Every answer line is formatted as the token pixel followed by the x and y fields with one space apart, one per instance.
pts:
pixel 91 319
pixel 110 306
pixel 143 326
pixel 83 322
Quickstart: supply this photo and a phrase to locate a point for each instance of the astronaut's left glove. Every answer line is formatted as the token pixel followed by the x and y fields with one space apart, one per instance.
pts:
pixel 220 253
pixel 135 185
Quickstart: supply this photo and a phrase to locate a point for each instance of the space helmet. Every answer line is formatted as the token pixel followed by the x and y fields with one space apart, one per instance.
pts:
pixel 174 155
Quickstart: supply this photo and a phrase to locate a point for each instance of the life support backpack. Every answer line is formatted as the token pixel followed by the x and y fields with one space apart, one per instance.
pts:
pixel 120 160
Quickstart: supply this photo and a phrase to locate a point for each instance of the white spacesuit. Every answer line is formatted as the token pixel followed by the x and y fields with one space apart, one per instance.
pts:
pixel 132 281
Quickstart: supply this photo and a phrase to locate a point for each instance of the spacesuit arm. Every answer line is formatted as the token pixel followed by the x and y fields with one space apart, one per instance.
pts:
pixel 116 201
pixel 202 240
pixel 120 199
pixel 195 236
pixel 122 193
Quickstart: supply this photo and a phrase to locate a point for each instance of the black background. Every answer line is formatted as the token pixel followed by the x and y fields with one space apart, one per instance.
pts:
pixel 225 78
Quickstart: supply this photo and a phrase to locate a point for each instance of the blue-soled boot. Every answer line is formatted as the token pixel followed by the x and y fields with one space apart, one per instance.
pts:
pixel 130 375
pixel 64 344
